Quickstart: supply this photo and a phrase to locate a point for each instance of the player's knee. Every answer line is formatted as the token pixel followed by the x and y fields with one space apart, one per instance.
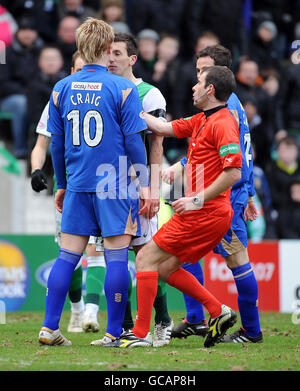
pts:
pixel 237 259
pixel 142 262
pixel 145 259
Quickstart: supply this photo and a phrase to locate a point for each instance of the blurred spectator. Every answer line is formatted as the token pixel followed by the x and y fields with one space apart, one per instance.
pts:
pixel 66 39
pixel 289 102
pixel 183 103
pixel 166 69
pixel 249 83
pixel 283 13
pixel 76 8
pixel 147 46
pixel 50 72
pixel 120 27
pixel 15 80
pixel 207 38
pixel 281 172
pixel 271 82
pixel 289 216
pixel 8 26
pixel 263 47
pixel 162 16
pixel 113 13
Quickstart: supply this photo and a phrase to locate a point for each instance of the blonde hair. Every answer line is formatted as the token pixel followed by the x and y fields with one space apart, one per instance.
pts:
pixel 93 39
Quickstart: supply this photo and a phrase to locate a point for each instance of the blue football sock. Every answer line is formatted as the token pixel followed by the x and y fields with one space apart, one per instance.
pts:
pixel 247 298
pixel 195 311
pixel 116 289
pixel 58 285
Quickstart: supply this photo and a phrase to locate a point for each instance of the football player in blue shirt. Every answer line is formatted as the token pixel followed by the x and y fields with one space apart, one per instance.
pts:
pixel 233 246
pixel 95 125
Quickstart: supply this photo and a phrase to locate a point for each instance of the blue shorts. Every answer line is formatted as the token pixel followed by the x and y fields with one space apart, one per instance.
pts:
pixel 87 214
pixel 236 237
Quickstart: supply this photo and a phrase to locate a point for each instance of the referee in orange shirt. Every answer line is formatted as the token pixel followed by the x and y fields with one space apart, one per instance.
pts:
pixel 203 216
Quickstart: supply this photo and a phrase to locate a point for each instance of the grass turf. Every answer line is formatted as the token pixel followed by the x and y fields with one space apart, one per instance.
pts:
pixel 20 351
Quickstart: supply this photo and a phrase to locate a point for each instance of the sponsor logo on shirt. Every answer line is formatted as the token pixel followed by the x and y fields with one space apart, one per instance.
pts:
pixel 230 148
pixel 86 86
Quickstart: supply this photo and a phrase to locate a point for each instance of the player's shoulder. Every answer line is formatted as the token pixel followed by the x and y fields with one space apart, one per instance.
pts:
pixel 224 113
pixel 63 82
pixel 150 96
pixel 155 93
pixel 234 103
pixel 143 85
pixel 224 118
pixel 145 88
pixel 121 81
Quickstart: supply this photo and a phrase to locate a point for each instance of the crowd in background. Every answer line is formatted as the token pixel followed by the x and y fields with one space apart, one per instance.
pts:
pixel 38 39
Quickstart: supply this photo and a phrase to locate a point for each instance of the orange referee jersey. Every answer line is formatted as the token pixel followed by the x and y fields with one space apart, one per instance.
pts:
pixel 214 145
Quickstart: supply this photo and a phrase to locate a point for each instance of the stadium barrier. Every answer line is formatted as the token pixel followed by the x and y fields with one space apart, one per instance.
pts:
pixel 26 261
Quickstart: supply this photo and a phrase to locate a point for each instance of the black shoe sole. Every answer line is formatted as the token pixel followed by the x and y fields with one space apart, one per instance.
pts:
pixel 201 333
pixel 176 333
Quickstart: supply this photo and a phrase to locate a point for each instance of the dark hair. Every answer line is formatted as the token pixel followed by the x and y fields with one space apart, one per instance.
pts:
pixel 222 79
pixel 208 34
pixel 74 58
pixel 288 140
pixel 131 43
pixel 220 55
pixel 27 22
pixel 244 59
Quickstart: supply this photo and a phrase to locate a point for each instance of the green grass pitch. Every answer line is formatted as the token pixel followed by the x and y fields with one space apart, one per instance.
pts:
pixel 20 351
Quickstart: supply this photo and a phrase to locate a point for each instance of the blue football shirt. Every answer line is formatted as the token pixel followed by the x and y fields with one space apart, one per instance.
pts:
pixel 235 107
pixel 94 111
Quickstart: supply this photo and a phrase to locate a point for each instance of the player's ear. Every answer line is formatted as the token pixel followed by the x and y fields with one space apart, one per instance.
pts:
pixel 210 89
pixel 133 59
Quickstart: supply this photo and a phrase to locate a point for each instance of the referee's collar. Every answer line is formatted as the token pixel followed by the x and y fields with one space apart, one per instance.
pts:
pixel 209 112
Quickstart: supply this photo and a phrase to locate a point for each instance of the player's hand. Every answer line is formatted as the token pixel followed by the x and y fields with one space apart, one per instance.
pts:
pixel 154 207
pixel 145 201
pixel 251 212
pixel 38 181
pixel 184 204
pixel 59 199
pixel 172 172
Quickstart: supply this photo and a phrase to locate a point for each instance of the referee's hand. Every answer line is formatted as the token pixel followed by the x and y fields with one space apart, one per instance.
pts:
pixel 38 181
pixel 184 204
